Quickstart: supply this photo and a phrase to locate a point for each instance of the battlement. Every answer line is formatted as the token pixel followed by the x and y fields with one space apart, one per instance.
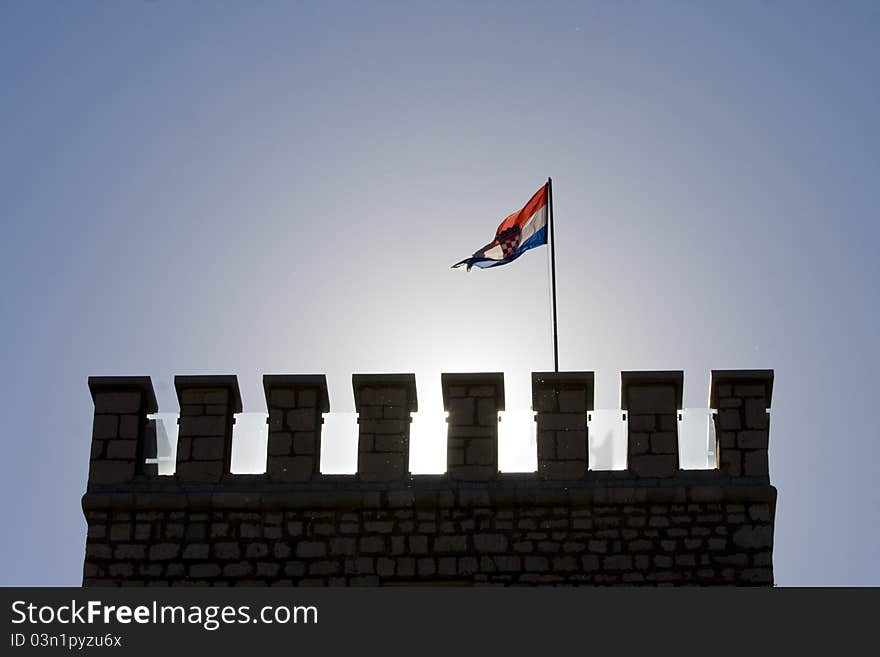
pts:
pixel 652 523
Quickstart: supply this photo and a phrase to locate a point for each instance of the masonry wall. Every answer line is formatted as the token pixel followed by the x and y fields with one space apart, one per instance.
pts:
pixel 565 524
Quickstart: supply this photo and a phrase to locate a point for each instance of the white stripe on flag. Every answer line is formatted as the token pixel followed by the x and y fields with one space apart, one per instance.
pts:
pixel 534 224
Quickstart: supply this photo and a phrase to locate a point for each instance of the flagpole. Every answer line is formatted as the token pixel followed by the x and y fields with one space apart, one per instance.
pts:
pixel 553 272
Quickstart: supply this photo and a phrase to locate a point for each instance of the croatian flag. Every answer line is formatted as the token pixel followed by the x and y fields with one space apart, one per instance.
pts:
pixel 517 234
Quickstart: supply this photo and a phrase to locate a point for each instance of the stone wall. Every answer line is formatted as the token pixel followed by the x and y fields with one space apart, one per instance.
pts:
pixel 565 524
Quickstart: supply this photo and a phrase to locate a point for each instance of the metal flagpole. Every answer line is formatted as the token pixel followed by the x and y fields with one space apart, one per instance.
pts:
pixel 553 272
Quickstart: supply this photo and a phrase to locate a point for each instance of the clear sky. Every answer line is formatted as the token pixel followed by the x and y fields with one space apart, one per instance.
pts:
pixel 281 187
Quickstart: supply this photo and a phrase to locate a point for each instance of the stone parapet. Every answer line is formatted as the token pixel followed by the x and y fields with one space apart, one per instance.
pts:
pixel 295 403
pixel 472 402
pixel 121 436
pixel 561 401
pixel 384 403
pixel 741 399
pixel 652 401
pixel 652 524
pixel 204 435
pixel 703 529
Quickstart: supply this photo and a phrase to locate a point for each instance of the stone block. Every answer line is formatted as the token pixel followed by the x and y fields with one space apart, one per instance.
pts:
pixel 562 470
pixel 130 551
pixel 427 567
pixel 664 442
pixel 301 419
pixel 387 466
pixel 208 448
pixel 122 571
pixel 546 445
pixel 562 421
pixel 200 471
pixel 763 559
pixel 280 443
pixel 293 468
pixel 406 567
pixel 728 420
pixel 481 452
pixel 204 396
pixel 164 551
pixel 466 432
pixel 473 472
pixel 730 461
pixel 639 443
pixel 481 391
pixel 418 544
pixel 129 426
pixel 311 549
pixel 536 564
pixel 545 401
pixel 97 449
pixel 395 412
pixel 268 569
pixel 381 426
pixel 307 398
pixel 385 396
pixel 450 544
pixel 652 465
pixel 760 512
pixel 492 543
pixel 205 570
pixel 487 412
pixel 757 576
pixel 507 563
pixel 755 463
pixel 756 415
pixel 754 536
pixel 589 562
pixel 617 562
pixel 238 569
pixel 641 423
pixel 752 440
pixel 122 449
pixel 283 398
pixel 118 403
pixel 454 458
pixel 254 551
pixel 396 442
pixel 111 472
pixel 385 567
pixel 573 401
pixel 184 448
pixel 105 426
pixel 324 568
pixel 462 410
pixel 203 425
pixel 305 443
pixel 749 390
pixel 651 399
pixel 726 439
pixel 571 445
pixel 275 421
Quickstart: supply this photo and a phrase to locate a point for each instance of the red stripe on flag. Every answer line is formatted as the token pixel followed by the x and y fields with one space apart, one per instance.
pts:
pixel 537 201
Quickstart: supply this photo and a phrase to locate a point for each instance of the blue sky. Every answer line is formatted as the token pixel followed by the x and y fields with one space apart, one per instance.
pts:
pixel 192 187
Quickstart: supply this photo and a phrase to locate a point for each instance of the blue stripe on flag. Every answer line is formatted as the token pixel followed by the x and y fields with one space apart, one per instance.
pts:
pixel 539 238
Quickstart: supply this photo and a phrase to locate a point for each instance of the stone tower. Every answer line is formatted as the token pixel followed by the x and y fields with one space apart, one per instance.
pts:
pixel 651 524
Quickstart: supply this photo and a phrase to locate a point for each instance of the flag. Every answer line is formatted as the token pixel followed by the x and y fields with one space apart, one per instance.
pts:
pixel 517 234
